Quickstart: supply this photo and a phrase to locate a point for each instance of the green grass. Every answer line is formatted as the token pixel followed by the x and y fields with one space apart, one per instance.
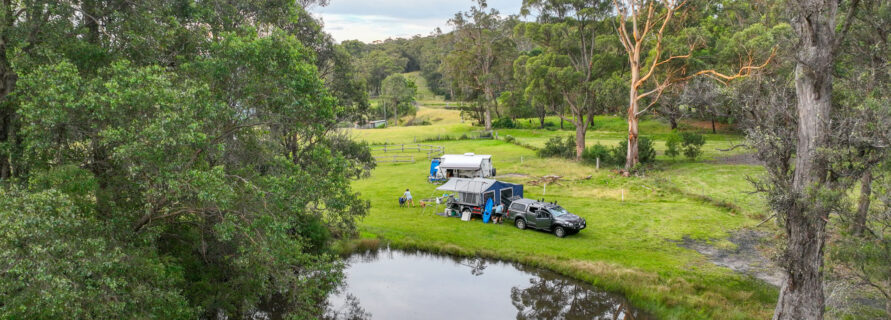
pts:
pixel 630 245
pixel 424 93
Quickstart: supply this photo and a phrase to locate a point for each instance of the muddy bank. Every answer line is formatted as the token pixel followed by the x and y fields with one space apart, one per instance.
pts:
pixel 745 258
pixel 844 296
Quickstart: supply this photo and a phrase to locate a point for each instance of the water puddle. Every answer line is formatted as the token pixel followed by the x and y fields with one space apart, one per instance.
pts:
pixel 393 284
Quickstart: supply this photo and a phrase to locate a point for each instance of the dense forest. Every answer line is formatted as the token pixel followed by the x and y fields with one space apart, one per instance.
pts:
pixel 172 159
pixel 183 159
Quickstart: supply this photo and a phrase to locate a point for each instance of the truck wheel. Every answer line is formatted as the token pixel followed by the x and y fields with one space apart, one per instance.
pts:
pixel 521 224
pixel 559 232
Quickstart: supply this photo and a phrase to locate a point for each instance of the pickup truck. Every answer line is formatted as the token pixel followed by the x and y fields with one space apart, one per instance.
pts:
pixel 528 213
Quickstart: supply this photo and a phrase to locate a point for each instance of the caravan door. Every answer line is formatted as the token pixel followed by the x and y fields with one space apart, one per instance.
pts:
pixel 506 194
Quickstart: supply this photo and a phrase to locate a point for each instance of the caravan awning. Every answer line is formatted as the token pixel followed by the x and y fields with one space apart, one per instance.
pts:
pixel 475 185
pixel 463 161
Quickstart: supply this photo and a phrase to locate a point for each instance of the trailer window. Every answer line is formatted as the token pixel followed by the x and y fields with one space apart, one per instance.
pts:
pixel 507 193
pixel 471 198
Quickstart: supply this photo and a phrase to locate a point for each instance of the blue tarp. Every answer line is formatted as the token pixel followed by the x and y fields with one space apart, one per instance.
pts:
pixel 433 165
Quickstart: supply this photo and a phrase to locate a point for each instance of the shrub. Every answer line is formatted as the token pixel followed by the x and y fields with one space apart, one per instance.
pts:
pixel 673 145
pixel 618 153
pixel 418 122
pixel 504 123
pixel 597 151
pixel 692 144
pixel 557 147
pixel 509 139
pixel 645 151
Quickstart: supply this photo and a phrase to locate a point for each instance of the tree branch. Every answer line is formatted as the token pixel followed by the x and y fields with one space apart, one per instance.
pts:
pixel 855 4
pixel 658 49
pixel 743 71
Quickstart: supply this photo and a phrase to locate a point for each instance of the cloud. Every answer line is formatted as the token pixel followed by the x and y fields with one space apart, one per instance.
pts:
pixel 370 20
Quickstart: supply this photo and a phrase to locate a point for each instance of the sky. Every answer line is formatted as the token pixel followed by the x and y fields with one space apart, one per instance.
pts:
pixel 370 20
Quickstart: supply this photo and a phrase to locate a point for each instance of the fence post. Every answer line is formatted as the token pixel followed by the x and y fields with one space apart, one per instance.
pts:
pixel 521 159
pixel 598 163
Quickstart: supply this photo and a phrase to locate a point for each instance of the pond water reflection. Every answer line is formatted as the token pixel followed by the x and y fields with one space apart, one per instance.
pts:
pixel 392 284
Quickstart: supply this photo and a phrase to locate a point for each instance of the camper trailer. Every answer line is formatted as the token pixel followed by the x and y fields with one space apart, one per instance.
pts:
pixel 466 165
pixel 471 194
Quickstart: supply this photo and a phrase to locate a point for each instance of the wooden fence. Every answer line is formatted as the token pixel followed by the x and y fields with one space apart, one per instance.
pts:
pixel 395 158
pixel 430 150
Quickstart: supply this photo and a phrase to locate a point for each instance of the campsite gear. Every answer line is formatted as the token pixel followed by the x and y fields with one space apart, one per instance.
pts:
pixel 544 216
pixel 466 165
pixel 471 194
pixel 434 166
pixel 436 175
pixel 475 191
pixel 487 213
pixel 465 216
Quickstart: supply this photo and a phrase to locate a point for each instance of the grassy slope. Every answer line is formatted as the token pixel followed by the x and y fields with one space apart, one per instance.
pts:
pixel 425 96
pixel 629 246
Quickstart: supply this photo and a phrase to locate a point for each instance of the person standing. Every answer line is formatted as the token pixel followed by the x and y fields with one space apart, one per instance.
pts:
pixel 498 213
pixel 407 196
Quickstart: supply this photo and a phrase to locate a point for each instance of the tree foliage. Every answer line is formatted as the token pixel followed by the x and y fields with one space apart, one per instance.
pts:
pixel 174 162
pixel 398 95
pixel 480 64
pixel 578 58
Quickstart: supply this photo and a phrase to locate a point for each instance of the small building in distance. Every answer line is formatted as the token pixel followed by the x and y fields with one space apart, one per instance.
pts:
pixel 373 124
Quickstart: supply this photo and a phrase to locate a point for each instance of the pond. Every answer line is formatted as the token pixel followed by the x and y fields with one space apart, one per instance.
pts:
pixel 394 284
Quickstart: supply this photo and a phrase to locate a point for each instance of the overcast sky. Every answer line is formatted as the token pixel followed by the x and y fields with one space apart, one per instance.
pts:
pixel 370 20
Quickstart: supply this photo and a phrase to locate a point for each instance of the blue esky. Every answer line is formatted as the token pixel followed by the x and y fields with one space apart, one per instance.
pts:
pixel 370 20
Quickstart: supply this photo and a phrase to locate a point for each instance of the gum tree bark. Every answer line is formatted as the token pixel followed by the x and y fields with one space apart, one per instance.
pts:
pixel 644 23
pixel 801 296
pixel 863 205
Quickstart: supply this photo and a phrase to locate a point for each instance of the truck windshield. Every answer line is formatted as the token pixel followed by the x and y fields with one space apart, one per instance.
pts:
pixel 558 211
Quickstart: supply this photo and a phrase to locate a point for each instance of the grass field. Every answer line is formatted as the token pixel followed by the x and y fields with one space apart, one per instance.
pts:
pixel 425 96
pixel 634 224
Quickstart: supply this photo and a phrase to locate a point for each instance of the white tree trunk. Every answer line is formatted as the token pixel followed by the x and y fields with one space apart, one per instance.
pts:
pixel 632 158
